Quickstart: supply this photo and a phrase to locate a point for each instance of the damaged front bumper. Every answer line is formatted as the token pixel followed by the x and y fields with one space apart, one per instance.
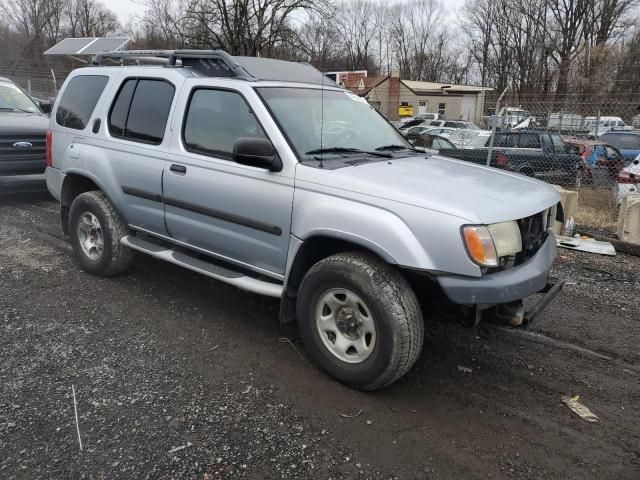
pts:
pixel 508 287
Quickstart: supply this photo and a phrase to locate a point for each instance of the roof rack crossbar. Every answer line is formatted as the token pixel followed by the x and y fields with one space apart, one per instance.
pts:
pixel 169 57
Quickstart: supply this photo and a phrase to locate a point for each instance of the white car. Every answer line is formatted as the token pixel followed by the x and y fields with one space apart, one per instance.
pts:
pixel 463 138
pixel 413 133
pixel 628 181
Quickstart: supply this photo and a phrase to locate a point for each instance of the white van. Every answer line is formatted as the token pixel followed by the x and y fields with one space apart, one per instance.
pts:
pixel 604 125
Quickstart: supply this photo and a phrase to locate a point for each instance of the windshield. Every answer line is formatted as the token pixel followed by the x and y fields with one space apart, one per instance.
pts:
pixel 481 140
pixel 12 98
pixel 343 119
pixel 625 142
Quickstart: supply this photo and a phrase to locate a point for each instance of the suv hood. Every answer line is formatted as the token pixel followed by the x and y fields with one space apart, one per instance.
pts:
pixel 474 193
pixel 19 123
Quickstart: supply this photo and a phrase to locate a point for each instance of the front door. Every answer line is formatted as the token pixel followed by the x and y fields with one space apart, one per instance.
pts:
pixel 234 212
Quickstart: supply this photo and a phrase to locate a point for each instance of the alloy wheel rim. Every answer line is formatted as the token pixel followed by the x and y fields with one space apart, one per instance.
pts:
pixel 90 235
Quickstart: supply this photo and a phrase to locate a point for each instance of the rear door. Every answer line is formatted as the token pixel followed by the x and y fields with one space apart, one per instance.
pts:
pixel 238 213
pixel 133 141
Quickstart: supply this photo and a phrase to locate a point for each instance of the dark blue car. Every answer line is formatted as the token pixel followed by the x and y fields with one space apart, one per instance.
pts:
pixel 627 142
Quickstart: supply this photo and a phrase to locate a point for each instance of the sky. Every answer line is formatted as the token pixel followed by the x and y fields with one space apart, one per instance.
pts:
pixel 125 8
pixel 128 8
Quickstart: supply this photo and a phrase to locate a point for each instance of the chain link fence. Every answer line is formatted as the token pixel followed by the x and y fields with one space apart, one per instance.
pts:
pixel 603 133
pixel 41 83
pixel 581 143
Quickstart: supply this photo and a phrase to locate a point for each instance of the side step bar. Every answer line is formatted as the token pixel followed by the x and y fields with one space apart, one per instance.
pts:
pixel 212 270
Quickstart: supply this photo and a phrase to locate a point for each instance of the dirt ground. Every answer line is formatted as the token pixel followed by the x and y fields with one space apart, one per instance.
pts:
pixel 179 376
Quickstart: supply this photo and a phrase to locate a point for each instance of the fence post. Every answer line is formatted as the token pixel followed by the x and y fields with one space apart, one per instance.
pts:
pixel 55 83
pixel 560 126
pixel 493 128
pixel 29 87
pixel 597 123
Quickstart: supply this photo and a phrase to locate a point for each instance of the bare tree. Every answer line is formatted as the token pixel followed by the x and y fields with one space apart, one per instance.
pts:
pixel 90 18
pixel 415 35
pixel 242 27
pixel 38 21
pixel 359 27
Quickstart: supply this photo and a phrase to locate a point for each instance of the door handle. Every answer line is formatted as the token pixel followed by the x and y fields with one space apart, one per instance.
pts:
pixel 180 169
pixel 96 125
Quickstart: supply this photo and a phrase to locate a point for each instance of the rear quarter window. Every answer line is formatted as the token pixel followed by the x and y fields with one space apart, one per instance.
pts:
pixel 79 99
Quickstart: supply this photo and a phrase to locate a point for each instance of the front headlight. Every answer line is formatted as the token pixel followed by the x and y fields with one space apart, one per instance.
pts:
pixel 506 237
pixel 487 244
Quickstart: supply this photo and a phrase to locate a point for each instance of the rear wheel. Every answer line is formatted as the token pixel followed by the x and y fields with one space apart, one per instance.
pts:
pixel 360 320
pixel 96 230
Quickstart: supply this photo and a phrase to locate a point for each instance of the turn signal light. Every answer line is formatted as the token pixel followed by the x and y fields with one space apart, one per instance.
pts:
pixel 480 246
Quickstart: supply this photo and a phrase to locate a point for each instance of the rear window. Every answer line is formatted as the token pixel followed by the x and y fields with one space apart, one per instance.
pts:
pixel 79 100
pixel 622 141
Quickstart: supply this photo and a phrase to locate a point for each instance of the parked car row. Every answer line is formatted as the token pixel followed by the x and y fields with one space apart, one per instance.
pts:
pixel 567 160
pixel 533 153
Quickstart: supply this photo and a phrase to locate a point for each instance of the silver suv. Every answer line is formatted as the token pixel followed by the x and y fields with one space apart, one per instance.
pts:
pixel 266 175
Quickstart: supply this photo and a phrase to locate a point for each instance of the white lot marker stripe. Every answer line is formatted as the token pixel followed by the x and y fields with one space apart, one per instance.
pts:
pixel 75 409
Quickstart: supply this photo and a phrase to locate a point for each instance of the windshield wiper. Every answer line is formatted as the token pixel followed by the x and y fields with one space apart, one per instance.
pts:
pixel 14 109
pixel 394 147
pixel 346 150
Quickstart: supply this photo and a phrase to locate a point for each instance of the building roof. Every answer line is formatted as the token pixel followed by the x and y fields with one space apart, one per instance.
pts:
pixel 433 87
pixel 365 83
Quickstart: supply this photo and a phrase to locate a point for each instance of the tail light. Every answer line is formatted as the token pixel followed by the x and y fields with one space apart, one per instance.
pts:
pixel 501 159
pixel 585 154
pixel 48 149
pixel 626 177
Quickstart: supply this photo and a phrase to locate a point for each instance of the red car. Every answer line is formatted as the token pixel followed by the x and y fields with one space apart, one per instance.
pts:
pixel 595 155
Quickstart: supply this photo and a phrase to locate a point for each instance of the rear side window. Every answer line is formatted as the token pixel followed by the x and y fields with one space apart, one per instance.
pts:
pixel 120 109
pixel 558 144
pixel 215 119
pixel 79 100
pixel 529 140
pixel 500 140
pixel 141 110
pixel 622 141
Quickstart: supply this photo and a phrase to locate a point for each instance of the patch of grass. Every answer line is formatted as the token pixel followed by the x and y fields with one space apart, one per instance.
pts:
pixel 596 209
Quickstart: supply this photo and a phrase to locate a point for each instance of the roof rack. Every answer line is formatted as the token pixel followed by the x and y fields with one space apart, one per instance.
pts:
pixel 216 63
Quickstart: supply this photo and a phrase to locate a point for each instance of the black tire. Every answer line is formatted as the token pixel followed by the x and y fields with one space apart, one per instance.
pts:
pixel 115 258
pixel 528 171
pixel 394 308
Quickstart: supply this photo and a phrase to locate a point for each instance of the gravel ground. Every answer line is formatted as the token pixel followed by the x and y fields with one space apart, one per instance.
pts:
pixel 179 376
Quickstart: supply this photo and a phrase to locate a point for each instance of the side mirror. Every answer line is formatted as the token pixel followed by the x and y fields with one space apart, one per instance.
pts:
pixel 45 106
pixel 256 152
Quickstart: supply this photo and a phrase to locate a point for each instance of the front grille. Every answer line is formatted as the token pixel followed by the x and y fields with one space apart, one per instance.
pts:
pixel 533 231
pixel 15 161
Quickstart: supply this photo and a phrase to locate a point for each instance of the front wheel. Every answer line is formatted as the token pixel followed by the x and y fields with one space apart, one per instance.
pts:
pixel 96 230
pixel 360 320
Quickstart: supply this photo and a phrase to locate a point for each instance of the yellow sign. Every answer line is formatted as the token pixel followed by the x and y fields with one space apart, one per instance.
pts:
pixel 405 111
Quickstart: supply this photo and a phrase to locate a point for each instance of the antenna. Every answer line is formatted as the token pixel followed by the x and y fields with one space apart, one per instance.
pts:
pixel 322 97
pixel 321 117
